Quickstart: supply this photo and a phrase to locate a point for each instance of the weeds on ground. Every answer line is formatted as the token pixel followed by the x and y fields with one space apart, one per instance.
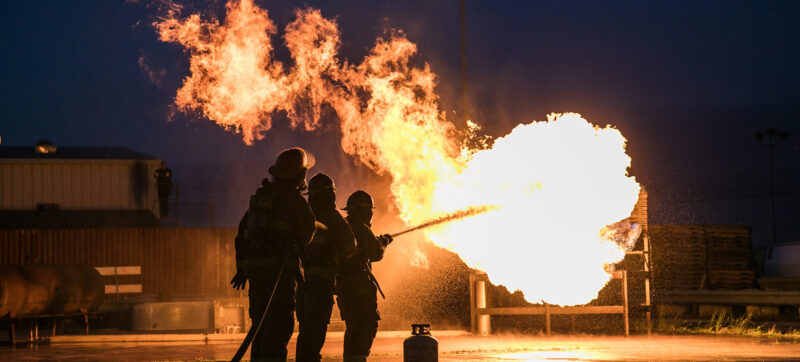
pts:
pixel 723 324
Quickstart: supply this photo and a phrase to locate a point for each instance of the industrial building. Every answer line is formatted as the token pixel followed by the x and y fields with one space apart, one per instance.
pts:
pixel 46 186
pixel 97 209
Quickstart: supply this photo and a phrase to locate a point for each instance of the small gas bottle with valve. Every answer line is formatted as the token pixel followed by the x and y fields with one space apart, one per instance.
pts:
pixel 421 346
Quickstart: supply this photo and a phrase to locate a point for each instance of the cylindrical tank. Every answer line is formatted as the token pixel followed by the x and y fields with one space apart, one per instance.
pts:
pixel 39 290
pixel 782 261
pixel 421 346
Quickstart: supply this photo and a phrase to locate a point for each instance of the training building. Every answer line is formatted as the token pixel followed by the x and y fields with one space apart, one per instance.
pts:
pixel 46 186
pixel 77 220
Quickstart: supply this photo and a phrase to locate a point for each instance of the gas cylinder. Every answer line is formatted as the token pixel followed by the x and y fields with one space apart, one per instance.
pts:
pixel 36 290
pixel 421 346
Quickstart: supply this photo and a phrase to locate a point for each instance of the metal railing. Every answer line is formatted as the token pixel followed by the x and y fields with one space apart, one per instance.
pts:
pixel 480 313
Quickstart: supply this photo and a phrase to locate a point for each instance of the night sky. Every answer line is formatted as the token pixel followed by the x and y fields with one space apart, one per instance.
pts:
pixel 687 82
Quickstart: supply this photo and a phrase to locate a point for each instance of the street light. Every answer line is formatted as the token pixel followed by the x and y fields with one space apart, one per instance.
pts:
pixel 772 138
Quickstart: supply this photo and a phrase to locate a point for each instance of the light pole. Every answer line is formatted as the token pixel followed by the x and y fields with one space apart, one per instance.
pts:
pixel 462 17
pixel 772 138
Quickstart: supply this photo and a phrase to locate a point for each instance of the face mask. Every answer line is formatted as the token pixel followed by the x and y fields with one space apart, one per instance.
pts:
pixel 303 185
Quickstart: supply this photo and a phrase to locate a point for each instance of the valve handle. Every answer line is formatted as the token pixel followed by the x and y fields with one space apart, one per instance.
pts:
pixel 421 329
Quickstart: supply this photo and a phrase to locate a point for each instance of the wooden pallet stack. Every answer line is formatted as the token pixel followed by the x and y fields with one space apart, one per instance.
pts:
pixel 730 258
pixel 639 214
pixel 678 256
pixel 701 257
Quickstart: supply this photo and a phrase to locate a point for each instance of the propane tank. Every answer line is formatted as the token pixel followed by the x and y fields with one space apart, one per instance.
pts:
pixel 36 290
pixel 421 346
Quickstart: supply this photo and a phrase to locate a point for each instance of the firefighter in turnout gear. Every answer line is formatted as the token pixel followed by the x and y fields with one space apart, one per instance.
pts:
pixel 356 287
pixel 332 244
pixel 163 176
pixel 277 226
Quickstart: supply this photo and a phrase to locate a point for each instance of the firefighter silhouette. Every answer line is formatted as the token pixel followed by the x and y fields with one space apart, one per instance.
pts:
pixel 333 244
pixel 163 176
pixel 356 287
pixel 276 228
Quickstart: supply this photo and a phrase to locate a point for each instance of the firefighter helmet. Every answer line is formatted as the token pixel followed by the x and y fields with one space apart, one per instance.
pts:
pixel 359 200
pixel 320 182
pixel 291 163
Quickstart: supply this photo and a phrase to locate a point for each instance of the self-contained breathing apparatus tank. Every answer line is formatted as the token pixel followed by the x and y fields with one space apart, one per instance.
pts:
pixel 421 346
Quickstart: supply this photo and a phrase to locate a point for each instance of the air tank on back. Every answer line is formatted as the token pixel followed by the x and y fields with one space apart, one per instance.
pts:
pixel 421 346
pixel 39 290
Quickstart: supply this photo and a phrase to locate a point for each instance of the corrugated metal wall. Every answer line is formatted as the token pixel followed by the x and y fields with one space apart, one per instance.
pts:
pixel 78 184
pixel 174 261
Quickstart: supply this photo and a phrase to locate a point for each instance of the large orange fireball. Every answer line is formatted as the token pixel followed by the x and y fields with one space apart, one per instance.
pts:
pixel 553 186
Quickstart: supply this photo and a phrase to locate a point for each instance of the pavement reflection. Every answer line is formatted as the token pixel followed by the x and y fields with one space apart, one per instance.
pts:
pixel 388 347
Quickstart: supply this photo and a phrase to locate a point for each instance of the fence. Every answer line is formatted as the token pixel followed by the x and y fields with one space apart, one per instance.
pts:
pixel 480 313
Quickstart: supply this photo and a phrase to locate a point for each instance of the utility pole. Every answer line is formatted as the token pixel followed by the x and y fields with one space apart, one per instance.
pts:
pixel 772 138
pixel 463 18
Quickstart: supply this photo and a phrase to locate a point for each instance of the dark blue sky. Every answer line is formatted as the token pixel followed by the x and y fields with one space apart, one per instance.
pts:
pixel 687 82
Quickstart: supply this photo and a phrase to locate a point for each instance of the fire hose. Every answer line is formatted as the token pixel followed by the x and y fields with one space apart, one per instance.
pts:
pixel 251 334
pixel 470 211
pixel 375 281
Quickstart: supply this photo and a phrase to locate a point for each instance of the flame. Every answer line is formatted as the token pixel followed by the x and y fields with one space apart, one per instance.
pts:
pixel 555 185
pixel 234 79
pixel 560 183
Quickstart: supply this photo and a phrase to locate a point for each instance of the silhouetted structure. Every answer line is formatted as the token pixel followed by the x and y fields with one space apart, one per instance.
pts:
pixel 774 138
pixel 163 176
pixel 61 187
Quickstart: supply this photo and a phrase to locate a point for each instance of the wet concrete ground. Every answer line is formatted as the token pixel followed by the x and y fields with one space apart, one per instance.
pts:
pixel 388 347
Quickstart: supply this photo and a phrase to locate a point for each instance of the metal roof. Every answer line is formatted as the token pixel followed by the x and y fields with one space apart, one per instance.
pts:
pixel 101 153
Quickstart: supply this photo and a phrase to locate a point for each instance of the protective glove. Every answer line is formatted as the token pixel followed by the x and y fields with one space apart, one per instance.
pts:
pixel 385 239
pixel 239 280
